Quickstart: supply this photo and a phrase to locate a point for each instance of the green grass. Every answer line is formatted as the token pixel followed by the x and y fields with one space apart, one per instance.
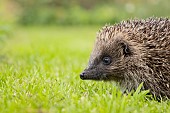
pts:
pixel 39 72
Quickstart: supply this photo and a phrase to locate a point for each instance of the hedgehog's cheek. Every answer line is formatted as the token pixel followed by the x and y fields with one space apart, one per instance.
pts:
pixel 114 77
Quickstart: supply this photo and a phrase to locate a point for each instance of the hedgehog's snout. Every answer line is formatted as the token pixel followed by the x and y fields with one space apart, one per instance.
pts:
pixel 82 75
pixel 89 74
pixel 86 74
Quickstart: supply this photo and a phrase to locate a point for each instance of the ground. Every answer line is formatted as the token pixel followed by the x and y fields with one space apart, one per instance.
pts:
pixel 39 72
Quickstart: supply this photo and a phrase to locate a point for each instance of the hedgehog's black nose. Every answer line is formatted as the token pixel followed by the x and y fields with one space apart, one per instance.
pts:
pixel 82 75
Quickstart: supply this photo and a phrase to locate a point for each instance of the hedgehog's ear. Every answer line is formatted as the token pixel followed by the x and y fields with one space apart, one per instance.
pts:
pixel 126 49
pixel 124 45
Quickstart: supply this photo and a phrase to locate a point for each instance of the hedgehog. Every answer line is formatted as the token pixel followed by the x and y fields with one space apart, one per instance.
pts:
pixel 133 52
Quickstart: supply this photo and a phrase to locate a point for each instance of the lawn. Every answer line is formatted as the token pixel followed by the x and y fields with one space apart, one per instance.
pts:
pixel 39 73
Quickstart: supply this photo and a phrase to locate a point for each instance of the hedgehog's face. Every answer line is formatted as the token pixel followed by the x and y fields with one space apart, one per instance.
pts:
pixel 109 60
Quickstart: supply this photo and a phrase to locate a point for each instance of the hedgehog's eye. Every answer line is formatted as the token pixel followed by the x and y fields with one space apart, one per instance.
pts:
pixel 106 60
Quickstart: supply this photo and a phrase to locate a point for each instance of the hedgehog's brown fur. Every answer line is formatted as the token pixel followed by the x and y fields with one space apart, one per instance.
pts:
pixel 147 59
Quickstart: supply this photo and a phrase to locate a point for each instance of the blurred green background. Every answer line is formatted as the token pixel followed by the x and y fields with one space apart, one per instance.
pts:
pixel 79 12
pixel 75 12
